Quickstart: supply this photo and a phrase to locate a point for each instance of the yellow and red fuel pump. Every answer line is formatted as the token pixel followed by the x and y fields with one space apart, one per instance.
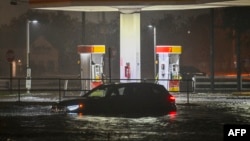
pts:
pixel 91 64
pixel 168 66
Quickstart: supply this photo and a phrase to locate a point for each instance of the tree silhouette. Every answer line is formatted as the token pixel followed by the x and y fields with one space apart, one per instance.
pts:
pixel 62 31
pixel 237 20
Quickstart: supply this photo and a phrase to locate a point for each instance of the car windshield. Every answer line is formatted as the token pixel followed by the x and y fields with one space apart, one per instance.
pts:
pixel 98 93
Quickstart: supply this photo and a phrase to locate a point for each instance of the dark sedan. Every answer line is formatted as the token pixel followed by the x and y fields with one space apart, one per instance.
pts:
pixel 188 72
pixel 121 99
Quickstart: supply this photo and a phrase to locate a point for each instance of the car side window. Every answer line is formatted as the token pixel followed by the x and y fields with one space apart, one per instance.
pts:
pixel 121 90
pixel 157 91
pixel 112 91
pixel 127 91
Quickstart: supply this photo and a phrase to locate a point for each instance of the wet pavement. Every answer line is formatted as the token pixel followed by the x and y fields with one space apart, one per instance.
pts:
pixel 200 117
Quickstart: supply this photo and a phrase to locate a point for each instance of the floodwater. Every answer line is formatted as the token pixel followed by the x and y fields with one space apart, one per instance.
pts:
pixel 200 118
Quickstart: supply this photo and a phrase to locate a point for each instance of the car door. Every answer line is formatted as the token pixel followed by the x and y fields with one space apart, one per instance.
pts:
pixel 98 101
pixel 124 103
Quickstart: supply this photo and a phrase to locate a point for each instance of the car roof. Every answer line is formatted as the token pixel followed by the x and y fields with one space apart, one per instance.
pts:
pixel 130 83
pixel 127 84
pixel 146 84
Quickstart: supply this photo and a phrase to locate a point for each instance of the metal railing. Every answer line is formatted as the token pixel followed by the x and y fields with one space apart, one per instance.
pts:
pixel 56 89
pixel 221 84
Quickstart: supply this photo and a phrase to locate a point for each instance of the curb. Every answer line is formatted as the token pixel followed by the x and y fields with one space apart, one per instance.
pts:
pixel 241 93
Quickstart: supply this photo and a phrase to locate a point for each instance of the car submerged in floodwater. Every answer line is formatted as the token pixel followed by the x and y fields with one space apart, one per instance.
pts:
pixel 121 99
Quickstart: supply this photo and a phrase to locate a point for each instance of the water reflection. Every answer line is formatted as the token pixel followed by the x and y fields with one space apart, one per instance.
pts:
pixel 197 121
pixel 120 128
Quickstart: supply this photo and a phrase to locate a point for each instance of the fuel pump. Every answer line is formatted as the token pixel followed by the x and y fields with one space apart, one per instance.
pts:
pixel 91 58
pixel 97 71
pixel 174 71
pixel 169 66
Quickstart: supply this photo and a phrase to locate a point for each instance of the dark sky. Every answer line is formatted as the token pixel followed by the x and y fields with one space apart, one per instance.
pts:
pixel 7 11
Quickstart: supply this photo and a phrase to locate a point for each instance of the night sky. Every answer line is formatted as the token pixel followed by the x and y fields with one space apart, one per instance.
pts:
pixel 7 11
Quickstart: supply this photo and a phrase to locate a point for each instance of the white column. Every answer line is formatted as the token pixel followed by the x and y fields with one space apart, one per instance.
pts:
pixel 130 45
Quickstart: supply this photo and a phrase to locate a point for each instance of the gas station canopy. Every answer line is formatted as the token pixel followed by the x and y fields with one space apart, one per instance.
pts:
pixel 91 49
pixel 168 49
pixel 131 6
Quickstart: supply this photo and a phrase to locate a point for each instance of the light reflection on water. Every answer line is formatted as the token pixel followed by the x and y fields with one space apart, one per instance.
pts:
pixel 116 128
pixel 196 121
pixel 25 111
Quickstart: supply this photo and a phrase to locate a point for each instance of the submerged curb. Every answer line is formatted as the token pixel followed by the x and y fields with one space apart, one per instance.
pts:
pixel 241 93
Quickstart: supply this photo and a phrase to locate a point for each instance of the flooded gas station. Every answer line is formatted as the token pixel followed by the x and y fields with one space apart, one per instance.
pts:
pixel 199 116
pixel 202 118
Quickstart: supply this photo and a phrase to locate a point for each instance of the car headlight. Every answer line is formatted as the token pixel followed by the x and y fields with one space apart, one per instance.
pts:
pixel 72 107
pixel 75 107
